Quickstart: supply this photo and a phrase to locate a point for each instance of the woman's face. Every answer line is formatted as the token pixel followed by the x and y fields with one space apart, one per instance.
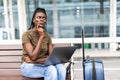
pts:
pixel 40 19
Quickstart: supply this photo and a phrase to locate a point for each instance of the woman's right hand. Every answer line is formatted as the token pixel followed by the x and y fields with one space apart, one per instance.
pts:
pixel 40 30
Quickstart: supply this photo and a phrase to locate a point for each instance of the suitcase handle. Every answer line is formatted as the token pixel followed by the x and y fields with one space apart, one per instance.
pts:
pixel 88 58
pixel 83 45
pixel 83 54
pixel 93 70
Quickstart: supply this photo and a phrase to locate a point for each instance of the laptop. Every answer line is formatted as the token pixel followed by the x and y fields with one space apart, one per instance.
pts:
pixel 60 55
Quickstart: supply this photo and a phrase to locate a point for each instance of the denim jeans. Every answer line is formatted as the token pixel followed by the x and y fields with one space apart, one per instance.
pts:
pixel 52 72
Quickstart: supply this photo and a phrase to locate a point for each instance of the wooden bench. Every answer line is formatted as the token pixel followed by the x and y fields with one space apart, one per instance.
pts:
pixel 10 61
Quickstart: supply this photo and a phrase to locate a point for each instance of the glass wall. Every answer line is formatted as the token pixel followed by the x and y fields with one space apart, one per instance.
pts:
pixel 2 20
pixel 118 18
pixel 15 18
pixel 3 32
pixel 65 18
pixel 118 22
pixel 9 20
pixel 92 15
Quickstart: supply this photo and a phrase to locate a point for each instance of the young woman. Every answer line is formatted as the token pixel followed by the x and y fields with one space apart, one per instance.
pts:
pixel 37 45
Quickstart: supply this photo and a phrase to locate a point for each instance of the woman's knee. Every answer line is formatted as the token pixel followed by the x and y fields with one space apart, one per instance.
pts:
pixel 51 71
pixel 61 68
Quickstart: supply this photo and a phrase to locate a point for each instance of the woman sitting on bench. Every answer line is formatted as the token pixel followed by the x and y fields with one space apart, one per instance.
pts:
pixel 37 45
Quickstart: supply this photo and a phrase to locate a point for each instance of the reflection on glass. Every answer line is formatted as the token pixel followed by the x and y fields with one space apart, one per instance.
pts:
pixel 118 18
pixel 15 18
pixel 93 15
pixel 2 20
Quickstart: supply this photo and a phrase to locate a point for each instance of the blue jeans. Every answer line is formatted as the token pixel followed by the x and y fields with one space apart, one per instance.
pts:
pixel 52 72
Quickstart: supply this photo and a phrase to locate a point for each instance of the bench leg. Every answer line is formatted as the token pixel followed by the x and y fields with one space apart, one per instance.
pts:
pixel 68 77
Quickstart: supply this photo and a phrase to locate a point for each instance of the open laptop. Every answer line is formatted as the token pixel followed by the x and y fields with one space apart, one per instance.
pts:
pixel 60 55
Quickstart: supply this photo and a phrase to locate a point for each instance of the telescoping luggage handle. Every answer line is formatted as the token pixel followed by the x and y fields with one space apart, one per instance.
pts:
pixel 93 64
pixel 83 45
pixel 83 55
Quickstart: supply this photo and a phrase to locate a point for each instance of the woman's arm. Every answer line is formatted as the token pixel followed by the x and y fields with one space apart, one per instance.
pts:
pixel 27 59
pixel 33 53
pixel 50 48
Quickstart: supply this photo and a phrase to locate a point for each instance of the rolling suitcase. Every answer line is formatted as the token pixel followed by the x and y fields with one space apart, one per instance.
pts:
pixel 93 69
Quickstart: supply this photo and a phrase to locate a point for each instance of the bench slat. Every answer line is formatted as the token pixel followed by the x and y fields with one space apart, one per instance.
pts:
pixel 14 46
pixel 10 65
pixel 11 53
pixel 7 77
pixel 13 74
pixel 10 59
pixel 9 72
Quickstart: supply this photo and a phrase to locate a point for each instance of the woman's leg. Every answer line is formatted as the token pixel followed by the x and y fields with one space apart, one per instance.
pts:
pixel 37 71
pixel 61 71
pixel 51 73
pixel 32 70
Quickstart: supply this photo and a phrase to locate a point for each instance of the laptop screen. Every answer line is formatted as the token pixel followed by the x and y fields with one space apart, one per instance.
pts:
pixel 60 55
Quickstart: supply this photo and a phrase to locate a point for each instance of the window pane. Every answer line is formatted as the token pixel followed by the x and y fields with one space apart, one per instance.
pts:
pixel 2 20
pixel 71 14
pixel 118 18
pixel 3 32
pixel 15 18
pixel 92 13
